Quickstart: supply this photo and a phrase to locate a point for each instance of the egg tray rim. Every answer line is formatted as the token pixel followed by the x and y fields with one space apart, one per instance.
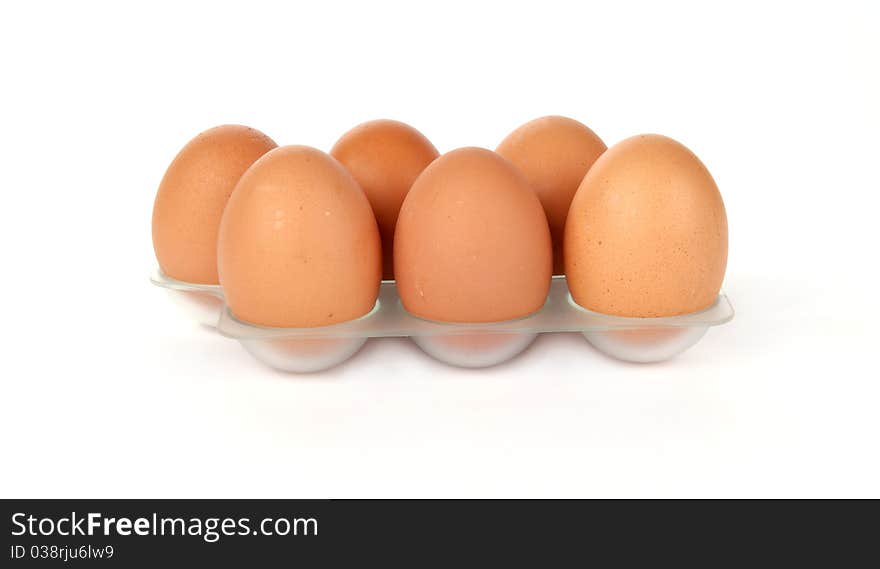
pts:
pixel 388 318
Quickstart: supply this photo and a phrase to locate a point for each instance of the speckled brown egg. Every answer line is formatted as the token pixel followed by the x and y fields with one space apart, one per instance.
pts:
pixel 385 157
pixel 472 242
pixel 193 194
pixel 646 235
pixel 298 245
pixel 554 153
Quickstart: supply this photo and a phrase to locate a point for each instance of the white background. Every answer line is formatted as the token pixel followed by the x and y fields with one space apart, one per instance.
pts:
pixel 108 391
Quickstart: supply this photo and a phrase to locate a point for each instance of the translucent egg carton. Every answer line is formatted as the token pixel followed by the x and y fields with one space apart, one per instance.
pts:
pixel 641 340
pixel 202 303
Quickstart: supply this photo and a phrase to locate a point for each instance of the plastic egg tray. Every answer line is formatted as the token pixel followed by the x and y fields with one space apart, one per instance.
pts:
pixel 641 340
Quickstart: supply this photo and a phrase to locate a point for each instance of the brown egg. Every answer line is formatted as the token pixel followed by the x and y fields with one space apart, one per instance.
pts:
pixel 192 195
pixel 647 232
pixel 472 242
pixel 298 245
pixel 554 153
pixel 385 157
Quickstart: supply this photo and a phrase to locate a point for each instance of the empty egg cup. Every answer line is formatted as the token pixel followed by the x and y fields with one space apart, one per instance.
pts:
pixel 641 340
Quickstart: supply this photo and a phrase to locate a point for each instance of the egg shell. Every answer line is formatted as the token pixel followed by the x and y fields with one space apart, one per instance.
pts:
pixel 472 242
pixel 298 245
pixel 555 154
pixel 646 235
pixel 385 157
pixel 192 195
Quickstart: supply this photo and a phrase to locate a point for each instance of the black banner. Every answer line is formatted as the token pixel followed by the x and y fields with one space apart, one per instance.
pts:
pixel 266 533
